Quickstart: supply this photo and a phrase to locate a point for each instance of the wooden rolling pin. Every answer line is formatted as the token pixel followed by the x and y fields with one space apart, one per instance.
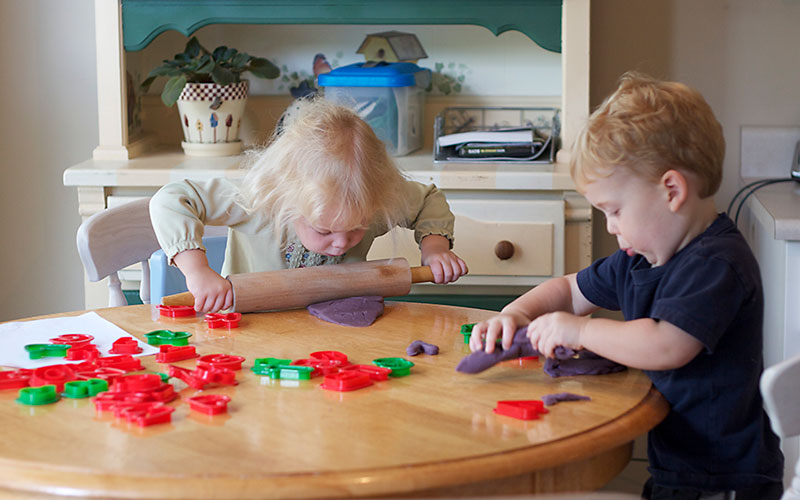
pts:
pixel 296 288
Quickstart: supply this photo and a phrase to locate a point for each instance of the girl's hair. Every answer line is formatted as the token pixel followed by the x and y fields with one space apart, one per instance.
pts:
pixel 649 126
pixel 324 158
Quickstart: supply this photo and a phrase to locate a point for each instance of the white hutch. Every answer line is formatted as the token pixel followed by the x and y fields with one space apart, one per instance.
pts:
pixel 535 207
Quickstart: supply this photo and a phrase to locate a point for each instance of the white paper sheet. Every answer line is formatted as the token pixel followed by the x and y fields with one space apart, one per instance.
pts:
pixel 16 335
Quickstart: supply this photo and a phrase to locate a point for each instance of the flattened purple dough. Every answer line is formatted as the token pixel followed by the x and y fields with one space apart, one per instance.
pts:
pixel 565 363
pixel 551 399
pixel 352 311
pixel 479 361
pixel 419 346
pixel 585 363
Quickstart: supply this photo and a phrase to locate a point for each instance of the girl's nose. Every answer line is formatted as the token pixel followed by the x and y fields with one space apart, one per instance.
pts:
pixel 340 240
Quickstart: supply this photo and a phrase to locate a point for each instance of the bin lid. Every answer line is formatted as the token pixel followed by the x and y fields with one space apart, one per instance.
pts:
pixel 383 74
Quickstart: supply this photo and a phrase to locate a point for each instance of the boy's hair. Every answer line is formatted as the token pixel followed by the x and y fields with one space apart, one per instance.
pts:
pixel 650 126
pixel 324 157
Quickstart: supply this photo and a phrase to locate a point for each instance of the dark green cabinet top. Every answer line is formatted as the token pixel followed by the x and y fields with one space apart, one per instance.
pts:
pixel 143 20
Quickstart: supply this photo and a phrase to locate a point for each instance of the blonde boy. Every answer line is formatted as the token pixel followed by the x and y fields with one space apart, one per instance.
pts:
pixel 650 158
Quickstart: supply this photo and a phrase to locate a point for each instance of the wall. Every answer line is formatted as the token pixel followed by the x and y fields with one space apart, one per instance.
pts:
pixel 741 54
pixel 48 98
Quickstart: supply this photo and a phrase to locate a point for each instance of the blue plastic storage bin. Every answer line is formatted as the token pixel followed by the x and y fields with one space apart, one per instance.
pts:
pixel 388 96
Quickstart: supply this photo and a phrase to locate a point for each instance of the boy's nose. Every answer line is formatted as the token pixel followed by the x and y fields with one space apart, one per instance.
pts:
pixel 611 227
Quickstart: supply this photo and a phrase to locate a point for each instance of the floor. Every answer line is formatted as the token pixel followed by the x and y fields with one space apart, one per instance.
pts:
pixel 632 478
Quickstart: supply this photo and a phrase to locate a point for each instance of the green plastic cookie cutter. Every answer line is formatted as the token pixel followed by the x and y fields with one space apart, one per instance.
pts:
pixel 290 372
pixel 466 331
pixel 38 351
pixel 78 389
pixel 35 396
pixel 400 367
pixel 167 337
pixel 262 366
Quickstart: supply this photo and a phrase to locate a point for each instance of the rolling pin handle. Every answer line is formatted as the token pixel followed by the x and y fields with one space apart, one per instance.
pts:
pixel 179 299
pixel 421 274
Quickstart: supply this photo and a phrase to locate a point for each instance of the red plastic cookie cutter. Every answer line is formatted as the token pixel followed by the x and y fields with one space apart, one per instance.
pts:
pixel 73 339
pixel 377 373
pixel 143 382
pixel 15 379
pixel 56 375
pixel 176 311
pixel 125 345
pixel 332 356
pixel 170 353
pixel 228 361
pixel 223 320
pixel 87 352
pixel 105 373
pixel 144 414
pixel 210 404
pixel 122 361
pixel 320 366
pixel 344 381
pixel 521 409
pixel 109 401
pixel 216 375
pixel 201 377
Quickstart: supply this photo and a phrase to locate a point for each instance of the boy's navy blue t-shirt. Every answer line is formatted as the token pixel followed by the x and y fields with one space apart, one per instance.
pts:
pixel 717 435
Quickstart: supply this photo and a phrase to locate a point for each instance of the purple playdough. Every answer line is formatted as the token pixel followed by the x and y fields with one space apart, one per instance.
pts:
pixel 551 399
pixel 564 363
pixel 585 363
pixel 419 346
pixel 352 311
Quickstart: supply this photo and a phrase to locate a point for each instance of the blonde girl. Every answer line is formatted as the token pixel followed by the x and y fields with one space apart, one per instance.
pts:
pixel 319 193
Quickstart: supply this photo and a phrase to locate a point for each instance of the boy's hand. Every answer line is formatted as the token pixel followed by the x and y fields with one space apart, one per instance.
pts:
pixel 486 333
pixel 445 265
pixel 211 291
pixel 551 330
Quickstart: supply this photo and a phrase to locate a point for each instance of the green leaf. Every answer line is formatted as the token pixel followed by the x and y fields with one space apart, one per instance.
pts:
pixel 240 61
pixel 223 76
pixel 206 66
pixel 146 84
pixel 219 52
pixel 228 54
pixel 172 90
pixel 192 47
pixel 262 68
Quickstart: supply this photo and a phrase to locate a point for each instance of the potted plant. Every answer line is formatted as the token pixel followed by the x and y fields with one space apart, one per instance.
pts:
pixel 210 93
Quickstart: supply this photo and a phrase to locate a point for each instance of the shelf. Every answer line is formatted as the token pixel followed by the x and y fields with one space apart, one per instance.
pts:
pixel 168 164
pixel 143 20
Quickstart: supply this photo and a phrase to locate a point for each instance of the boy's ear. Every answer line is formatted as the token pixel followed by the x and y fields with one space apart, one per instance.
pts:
pixel 676 188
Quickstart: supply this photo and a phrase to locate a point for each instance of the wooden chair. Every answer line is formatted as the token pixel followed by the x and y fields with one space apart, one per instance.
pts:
pixel 114 239
pixel 779 388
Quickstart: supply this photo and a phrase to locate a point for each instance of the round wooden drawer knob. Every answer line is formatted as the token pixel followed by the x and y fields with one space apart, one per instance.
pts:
pixel 504 250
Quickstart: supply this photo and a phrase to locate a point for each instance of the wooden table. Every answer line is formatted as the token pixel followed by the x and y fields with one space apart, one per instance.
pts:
pixel 431 433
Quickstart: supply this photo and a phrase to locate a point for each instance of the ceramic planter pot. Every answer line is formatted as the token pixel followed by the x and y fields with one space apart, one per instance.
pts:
pixel 211 116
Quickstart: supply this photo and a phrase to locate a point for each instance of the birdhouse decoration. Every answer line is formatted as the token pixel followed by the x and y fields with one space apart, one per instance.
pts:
pixel 392 46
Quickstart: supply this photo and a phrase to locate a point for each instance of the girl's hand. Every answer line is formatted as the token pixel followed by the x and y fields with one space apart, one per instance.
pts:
pixel 445 265
pixel 551 330
pixel 486 333
pixel 211 291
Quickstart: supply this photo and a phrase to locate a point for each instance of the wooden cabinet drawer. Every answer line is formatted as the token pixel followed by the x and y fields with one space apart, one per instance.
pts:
pixel 533 228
